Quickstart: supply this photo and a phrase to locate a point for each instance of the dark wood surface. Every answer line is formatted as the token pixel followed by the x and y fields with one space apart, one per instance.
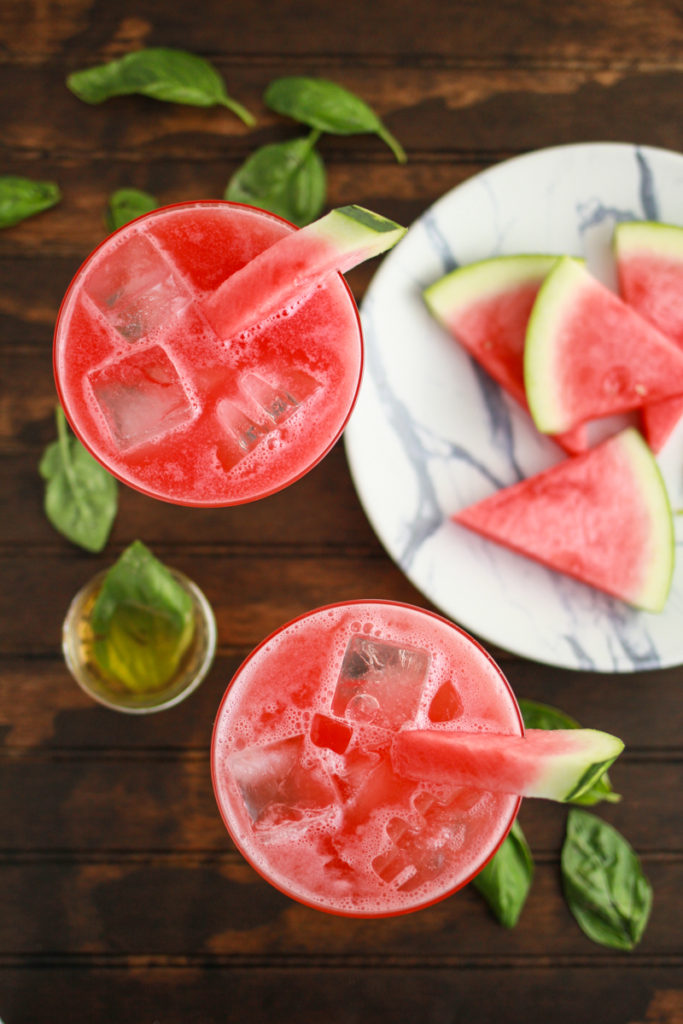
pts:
pixel 121 896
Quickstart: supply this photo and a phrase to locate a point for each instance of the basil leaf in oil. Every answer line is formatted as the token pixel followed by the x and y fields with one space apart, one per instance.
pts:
pixel 328 107
pixel 80 495
pixel 142 620
pixel 506 880
pixel 21 198
pixel 174 76
pixel 286 178
pixel 603 881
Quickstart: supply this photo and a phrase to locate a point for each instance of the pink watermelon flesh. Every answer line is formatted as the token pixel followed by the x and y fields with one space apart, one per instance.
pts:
pixel 600 357
pixel 288 271
pixel 601 517
pixel 557 764
pixel 653 285
pixel 493 329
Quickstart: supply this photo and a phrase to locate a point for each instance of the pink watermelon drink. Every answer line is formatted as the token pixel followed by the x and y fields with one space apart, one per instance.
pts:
pixel 302 758
pixel 177 408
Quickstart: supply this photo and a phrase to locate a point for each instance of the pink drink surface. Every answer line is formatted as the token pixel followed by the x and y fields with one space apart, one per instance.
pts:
pixel 302 768
pixel 164 403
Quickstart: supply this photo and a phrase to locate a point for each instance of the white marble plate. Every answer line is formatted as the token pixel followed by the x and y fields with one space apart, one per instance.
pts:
pixel 432 433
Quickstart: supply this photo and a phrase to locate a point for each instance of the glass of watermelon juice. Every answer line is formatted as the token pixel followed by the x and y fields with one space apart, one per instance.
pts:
pixel 302 769
pixel 172 408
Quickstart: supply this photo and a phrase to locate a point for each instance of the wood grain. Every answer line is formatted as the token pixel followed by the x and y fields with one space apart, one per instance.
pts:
pixel 123 897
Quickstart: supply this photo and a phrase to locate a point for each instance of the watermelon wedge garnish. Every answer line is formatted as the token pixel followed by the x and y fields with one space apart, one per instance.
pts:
pixel 649 258
pixel 486 306
pixel 588 354
pixel 558 764
pixel 602 517
pixel 290 268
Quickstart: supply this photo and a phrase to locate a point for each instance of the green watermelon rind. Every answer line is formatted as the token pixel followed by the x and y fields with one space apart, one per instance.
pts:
pixel 648 236
pixel 358 233
pixel 483 279
pixel 654 591
pixel 555 297
pixel 568 777
pixel 558 764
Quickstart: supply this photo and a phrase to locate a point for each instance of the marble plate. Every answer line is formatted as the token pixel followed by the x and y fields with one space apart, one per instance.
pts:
pixel 432 433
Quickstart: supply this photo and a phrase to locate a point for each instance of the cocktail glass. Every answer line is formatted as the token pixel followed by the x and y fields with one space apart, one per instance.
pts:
pixel 301 758
pixel 170 407
pixel 77 646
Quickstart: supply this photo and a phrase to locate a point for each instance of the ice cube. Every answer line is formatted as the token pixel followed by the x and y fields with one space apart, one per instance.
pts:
pixel 135 289
pixel 277 788
pixel 418 853
pixel 242 432
pixel 141 396
pixel 380 682
pixel 281 401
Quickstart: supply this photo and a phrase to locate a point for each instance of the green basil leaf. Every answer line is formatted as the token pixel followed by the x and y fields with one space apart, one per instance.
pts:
pixel 126 204
pixel 80 495
pixel 173 76
pixel 286 178
pixel 21 198
pixel 543 716
pixel 603 882
pixel 329 108
pixel 143 621
pixel 506 880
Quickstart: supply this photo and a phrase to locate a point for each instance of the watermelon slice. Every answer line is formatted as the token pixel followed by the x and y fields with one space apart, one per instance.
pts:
pixel 588 354
pixel 649 259
pixel 559 764
pixel 290 268
pixel 602 517
pixel 486 307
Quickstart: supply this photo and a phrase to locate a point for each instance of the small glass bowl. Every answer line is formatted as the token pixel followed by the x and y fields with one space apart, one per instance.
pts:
pixel 77 635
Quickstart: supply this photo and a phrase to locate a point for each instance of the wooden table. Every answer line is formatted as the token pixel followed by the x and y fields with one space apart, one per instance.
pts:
pixel 122 897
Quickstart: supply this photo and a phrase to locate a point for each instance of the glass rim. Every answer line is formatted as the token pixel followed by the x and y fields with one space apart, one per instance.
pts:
pixel 282 888
pixel 139 487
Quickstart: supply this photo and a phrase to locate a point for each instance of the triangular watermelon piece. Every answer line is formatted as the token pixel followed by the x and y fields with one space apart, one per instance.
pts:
pixel 290 268
pixel 486 306
pixel 588 354
pixel 649 258
pixel 602 517
pixel 558 764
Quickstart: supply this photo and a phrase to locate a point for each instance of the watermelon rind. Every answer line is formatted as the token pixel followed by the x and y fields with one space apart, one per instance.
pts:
pixel 649 259
pixel 288 270
pixel 483 279
pixel 648 236
pixel 558 764
pixel 658 576
pixel 623 545
pixel 454 296
pixel 541 382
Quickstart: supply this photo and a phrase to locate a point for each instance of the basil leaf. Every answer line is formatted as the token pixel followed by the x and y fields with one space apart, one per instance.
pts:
pixel 329 108
pixel 126 204
pixel 603 882
pixel 286 178
pixel 80 495
pixel 173 76
pixel 21 198
pixel 143 621
pixel 543 716
pixel 506 880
